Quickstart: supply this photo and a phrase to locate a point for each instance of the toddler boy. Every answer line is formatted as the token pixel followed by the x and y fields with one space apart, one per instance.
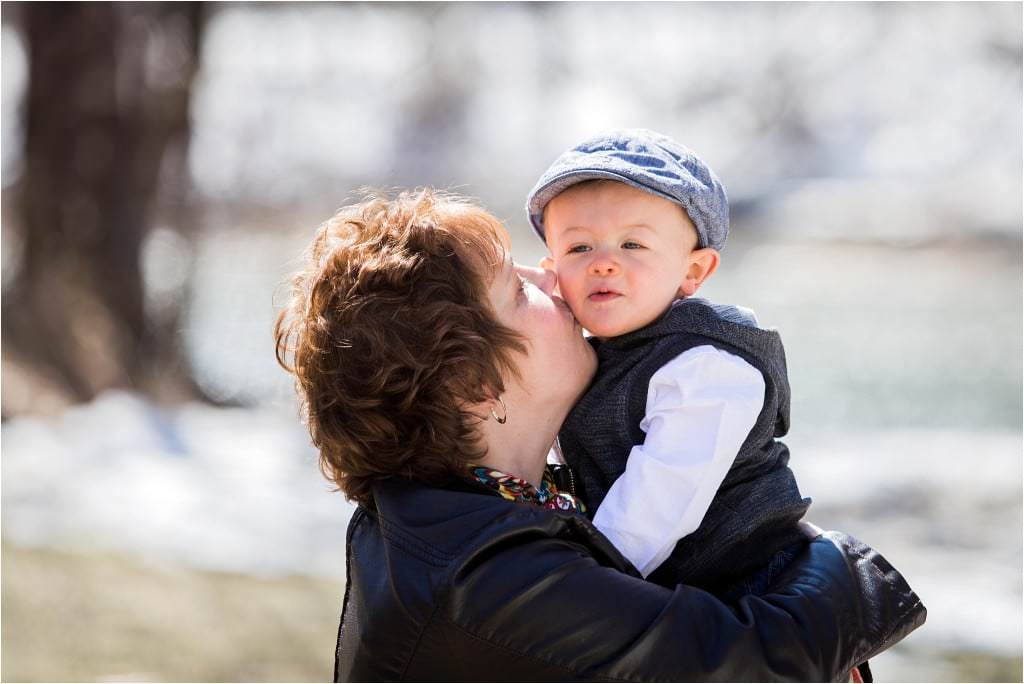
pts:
pixel 675 442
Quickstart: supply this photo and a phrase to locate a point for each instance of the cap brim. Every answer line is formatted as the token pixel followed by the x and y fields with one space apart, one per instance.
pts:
pixel 559 184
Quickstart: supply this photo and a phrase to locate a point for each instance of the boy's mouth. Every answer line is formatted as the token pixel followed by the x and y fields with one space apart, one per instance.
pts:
pixel 603 294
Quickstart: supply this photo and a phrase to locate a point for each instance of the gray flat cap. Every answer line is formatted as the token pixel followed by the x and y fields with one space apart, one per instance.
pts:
pixel 648 161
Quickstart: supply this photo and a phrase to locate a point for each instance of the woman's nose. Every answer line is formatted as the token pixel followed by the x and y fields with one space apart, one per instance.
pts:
pixel 541 277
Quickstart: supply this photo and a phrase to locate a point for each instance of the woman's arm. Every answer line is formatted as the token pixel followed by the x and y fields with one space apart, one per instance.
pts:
pixel 555 606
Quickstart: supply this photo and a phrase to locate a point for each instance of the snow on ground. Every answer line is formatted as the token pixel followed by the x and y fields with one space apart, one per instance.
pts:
pixel 229 489
pixel 239 490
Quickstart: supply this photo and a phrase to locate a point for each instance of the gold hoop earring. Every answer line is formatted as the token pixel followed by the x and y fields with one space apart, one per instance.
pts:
pixel 504 409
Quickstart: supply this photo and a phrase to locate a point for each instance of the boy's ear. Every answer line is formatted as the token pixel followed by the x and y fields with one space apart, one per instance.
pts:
pixel 700 265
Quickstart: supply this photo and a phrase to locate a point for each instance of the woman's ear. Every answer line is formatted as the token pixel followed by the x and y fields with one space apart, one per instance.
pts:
pixel 700 264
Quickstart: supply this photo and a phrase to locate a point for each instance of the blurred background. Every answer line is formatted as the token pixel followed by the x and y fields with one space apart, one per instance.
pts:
pixel 164 166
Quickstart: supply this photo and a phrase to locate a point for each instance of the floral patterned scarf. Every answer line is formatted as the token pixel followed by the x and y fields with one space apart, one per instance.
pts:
pixel 516 489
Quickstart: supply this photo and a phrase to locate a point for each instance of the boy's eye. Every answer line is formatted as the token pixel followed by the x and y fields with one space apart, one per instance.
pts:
pixel 632 245
pixel 578 249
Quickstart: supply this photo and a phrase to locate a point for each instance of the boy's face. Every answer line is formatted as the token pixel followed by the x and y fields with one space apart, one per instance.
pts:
pixel 622 255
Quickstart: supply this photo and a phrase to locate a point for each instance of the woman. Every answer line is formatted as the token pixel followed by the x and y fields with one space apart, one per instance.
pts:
pixel 434 375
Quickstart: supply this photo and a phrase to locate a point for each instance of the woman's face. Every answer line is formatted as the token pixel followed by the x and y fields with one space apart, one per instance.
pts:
pixel 559 363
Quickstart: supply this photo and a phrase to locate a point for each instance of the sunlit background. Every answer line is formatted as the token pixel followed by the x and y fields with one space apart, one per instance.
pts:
pixel 165 165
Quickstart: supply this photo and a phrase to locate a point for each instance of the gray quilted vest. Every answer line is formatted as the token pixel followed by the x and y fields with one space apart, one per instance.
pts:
pixel 755 512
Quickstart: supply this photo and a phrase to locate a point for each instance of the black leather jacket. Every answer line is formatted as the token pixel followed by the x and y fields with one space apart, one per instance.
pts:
pixel 461 585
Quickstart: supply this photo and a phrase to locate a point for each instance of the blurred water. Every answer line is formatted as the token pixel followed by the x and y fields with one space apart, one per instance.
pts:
pixel 877 336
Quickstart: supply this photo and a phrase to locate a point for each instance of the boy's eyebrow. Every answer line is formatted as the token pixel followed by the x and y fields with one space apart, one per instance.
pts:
pixel 643 226
pixel 572 228
pixel 632 226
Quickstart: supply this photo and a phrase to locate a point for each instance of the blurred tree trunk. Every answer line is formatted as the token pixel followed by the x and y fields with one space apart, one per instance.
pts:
pixel 106 125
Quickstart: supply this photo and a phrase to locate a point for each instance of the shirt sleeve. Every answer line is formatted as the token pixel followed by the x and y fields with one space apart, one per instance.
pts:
pixel 700 408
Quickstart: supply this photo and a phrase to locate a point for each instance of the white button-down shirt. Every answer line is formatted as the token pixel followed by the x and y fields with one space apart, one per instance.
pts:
pixel 700 408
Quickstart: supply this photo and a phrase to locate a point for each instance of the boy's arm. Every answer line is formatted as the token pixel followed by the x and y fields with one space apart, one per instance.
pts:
pixel 700 408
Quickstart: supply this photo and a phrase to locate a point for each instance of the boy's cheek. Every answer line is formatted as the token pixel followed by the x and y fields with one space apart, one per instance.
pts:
pixel 564 286
pixel 573 297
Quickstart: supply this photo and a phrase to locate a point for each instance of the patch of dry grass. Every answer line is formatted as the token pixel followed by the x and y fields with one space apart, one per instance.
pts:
pixel 72 617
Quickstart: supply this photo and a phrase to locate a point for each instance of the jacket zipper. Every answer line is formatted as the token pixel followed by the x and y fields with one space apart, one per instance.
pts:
pixel 563 464
pixel 572 480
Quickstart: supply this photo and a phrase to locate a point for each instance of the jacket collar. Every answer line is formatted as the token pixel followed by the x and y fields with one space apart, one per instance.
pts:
pixel 446 518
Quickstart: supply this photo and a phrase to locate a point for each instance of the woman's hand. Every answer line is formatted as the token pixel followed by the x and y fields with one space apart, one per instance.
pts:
pixel 812 531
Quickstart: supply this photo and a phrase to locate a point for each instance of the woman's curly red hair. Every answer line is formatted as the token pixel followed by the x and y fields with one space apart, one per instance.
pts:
pixel 391 337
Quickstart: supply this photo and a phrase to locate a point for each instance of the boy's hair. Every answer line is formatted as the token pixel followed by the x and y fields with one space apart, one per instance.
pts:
pixel 391 337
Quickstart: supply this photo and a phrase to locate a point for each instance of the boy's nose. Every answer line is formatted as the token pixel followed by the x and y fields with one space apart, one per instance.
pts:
pixel 541 277
pixel 603 266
